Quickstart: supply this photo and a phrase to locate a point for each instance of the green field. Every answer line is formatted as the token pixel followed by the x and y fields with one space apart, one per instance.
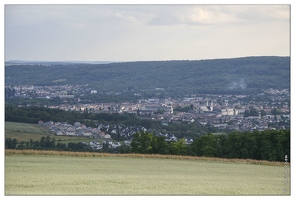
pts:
pixel 25 132
pixel 15 127
pixel 70 175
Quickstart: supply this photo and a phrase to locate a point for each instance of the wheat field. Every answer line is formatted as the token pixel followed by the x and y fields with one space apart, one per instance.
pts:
pixel 37 174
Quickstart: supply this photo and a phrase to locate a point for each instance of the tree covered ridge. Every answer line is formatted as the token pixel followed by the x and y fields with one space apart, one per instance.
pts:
pixel 247 75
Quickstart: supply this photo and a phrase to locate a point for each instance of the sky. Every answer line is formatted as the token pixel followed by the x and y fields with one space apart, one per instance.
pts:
pixel 144 32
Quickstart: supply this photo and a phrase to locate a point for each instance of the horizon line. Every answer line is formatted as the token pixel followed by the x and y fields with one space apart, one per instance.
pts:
pixel 107 61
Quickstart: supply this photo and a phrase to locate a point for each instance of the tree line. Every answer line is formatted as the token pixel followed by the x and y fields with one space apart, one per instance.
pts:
pixel 48 143
pixel 271 145
pixel 45 143
pixel 33 114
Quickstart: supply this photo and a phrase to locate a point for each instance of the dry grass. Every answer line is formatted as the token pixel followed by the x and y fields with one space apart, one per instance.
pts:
pixel 157 156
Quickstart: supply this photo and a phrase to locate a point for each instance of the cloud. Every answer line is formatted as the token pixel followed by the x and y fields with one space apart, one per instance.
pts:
pixel 208 15
pixel 263 12
pixel 220 14
pixel 146 14
pixel 135 18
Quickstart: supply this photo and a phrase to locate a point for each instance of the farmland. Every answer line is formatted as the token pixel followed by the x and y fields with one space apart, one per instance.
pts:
pixel 37 174
pixel 26 131
pixel 20 128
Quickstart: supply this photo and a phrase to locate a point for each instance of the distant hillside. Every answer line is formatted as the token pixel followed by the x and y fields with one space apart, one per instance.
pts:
pixel 236 75
pixel 46 63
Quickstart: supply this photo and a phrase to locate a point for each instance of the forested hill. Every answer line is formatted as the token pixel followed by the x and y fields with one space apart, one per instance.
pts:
pixel 237 75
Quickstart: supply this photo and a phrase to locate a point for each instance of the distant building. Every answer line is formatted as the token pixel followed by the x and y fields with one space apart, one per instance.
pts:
pixel 77 124
pixel 167 108
pixel 107 136
pixel 70 131
pixel 207 108
pixel 87 133
pixel 229 111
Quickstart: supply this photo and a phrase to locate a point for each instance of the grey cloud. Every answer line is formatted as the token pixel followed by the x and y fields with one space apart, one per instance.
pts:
pixel 148 14
pixel 220 14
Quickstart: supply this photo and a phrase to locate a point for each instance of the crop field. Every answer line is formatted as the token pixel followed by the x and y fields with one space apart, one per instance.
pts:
pixel 48 173
pixel 15 127
pixel 25 132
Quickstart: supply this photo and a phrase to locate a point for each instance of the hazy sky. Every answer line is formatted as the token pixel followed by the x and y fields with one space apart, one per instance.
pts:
pixel 145 32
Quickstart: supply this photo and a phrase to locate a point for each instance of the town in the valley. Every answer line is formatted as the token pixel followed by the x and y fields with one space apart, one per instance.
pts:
pixel 268 110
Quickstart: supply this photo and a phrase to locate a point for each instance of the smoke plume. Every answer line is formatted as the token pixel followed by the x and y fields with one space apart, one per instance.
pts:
pixel 238 84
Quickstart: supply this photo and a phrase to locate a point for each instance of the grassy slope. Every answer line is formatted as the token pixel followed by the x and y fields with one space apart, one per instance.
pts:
pixel 24 127
pixel 25 132
pixel 68 175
